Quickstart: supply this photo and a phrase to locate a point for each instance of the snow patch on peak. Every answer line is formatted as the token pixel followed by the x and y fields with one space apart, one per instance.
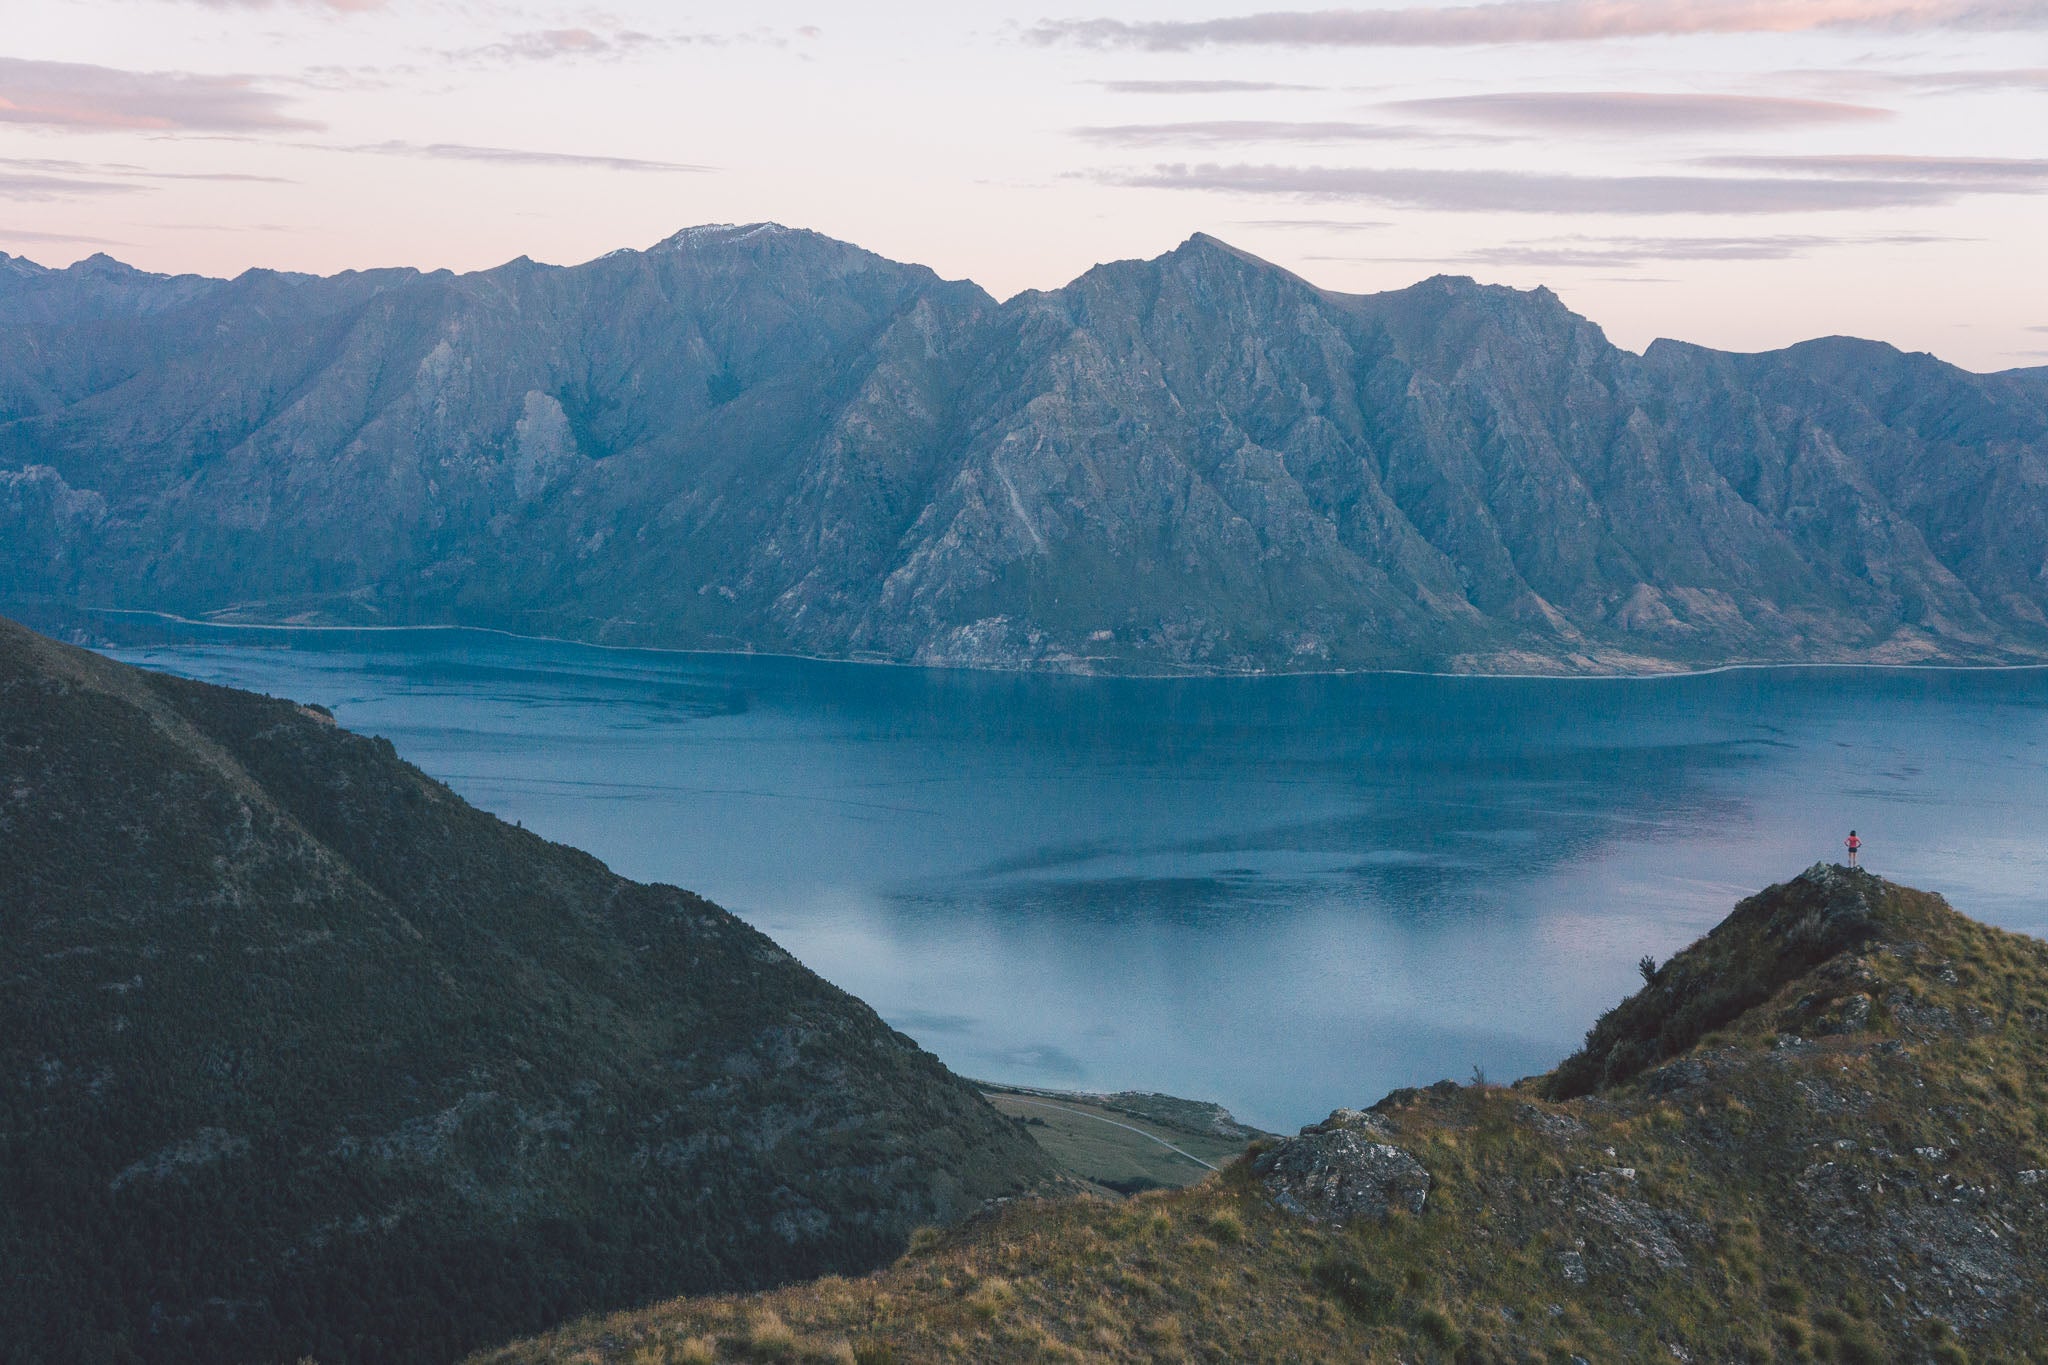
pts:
pixel 720 232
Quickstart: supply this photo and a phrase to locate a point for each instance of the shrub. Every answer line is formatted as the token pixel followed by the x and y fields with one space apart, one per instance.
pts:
pixel 1346 1279
pixel 1437 1328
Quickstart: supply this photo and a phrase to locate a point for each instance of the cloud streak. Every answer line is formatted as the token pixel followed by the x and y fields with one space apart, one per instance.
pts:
pixel 1964 82
pixel 1496 191
pixel 1608 252
pixel 122 170
pixel 82 97
pixel 1247 131
pixel 1198 87
pixel 40 187
pixel 617 44
pixel 517 156
pixel 1540 21
pixel 1317 224
pixel 1972 171
pixel 555 44
pixel 335 6
pixel 1636 112
pixel 8 234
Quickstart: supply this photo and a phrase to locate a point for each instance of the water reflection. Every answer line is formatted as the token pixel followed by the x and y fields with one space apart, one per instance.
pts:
pixel 1285 894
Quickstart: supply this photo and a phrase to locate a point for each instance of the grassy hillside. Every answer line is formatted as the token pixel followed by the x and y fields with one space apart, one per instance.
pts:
pixel 1826 1140
pixel 1125 1143
pixel 302 1054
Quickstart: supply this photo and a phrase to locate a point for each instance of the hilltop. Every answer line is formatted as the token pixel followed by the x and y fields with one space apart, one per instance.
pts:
pixel 300 1054
pixel 1820 1133
pixel 760 438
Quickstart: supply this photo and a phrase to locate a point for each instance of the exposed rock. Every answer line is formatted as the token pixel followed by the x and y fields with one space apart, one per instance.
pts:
pixel 1639 1231
pixel 201 1148
pixel 1338 1173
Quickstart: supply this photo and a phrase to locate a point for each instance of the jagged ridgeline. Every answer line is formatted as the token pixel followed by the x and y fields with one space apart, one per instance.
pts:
pixel 762 438
pixel 302 1055
pixel 1819 1134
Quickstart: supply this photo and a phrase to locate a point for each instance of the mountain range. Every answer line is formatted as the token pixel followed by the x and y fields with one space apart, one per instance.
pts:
pixel 303 1056
pixel 758 438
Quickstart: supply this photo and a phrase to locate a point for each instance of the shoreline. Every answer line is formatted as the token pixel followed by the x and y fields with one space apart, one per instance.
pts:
pixel 1190 675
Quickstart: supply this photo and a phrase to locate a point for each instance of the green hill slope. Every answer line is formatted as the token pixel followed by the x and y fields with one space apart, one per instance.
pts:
pixel 1819 1134
pixel 301 1054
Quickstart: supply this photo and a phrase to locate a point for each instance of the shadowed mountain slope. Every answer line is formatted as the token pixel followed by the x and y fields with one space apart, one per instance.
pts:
pixel 1820 1133
pixel 763 438
pixel 300 1054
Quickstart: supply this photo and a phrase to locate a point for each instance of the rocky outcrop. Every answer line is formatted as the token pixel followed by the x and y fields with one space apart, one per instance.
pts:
pixel 1770 939
pixel 1340 1170
pixel 762 438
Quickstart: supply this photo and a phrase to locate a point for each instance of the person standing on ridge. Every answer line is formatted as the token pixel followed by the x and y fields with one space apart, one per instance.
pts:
pixel 1853 843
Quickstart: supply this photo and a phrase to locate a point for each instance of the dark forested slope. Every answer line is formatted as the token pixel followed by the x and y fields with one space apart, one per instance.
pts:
pixel 301 1054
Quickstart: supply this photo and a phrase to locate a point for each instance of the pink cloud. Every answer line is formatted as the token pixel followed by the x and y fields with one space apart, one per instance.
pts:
pixel 82 97
pixel 1542 21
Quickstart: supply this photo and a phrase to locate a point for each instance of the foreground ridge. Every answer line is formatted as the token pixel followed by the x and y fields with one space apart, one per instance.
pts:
pixel 301 1054
pixel 1821 1132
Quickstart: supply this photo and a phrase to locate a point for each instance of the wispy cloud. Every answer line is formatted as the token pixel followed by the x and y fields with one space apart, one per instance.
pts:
pixel 518 156
pixel 1317 224
pixel 8 234
pixel 553 44
pixel 1633 112
pixel 1247 131
pixel 615 44
pixel 335 6
pixel 1541 21
pixel 1865 81
pixel 1609 252
pixel 1956 82
pixel 1198 87
pixel 1499 191
pixel 125 170
pixel 82 97
pixel 1972 171
pixel 36 186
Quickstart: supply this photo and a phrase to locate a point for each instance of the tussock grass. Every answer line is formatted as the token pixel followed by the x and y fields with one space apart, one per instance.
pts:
pixel 1536 1243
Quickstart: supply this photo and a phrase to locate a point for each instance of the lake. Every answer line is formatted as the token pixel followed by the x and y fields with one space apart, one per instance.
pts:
pixel 1282 894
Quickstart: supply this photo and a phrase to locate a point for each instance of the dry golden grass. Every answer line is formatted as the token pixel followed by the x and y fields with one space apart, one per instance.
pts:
pixel 1215 1272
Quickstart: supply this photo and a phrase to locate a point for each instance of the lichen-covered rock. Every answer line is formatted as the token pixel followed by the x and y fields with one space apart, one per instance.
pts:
pixel 1336 1173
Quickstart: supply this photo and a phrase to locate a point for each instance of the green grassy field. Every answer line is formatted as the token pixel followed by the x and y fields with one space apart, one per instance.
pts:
pixel 1125 1143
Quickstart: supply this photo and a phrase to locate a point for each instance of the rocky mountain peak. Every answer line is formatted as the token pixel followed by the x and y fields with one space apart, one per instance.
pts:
pixel 1774 937
pixel 708 235
pixel 101 264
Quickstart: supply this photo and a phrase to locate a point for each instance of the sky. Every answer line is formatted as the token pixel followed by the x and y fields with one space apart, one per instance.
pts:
pixel 1739 173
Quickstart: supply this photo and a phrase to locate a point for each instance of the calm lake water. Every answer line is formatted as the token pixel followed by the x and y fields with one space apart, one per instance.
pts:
pixel 1282 894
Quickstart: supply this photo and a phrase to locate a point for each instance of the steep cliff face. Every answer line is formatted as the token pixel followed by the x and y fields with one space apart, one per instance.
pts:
pixel 760 438
pixel 302 1055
